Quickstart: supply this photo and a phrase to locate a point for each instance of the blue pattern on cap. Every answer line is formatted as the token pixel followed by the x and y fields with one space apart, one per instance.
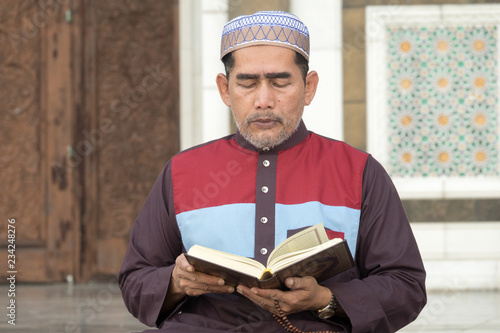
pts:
pixel 266 27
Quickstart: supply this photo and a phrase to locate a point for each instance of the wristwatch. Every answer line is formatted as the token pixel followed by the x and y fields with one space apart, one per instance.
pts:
pixel 329 310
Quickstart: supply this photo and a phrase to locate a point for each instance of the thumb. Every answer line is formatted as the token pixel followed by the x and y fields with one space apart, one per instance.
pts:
pixel 295 283
pixel 183 263
pixel 292 283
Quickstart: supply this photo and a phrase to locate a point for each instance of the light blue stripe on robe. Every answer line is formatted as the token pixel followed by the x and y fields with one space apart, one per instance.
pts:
pixel 231 228
pixel 228 228
pixel 336 218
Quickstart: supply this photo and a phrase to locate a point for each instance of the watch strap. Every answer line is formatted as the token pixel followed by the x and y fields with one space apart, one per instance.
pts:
pixel 329 310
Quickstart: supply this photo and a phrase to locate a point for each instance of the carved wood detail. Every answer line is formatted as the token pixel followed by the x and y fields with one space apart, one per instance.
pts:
pixel 137 111
pixel 36 127
pixel 20 121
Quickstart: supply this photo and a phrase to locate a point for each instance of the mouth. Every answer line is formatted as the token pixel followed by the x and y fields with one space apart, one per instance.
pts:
pixel 264 121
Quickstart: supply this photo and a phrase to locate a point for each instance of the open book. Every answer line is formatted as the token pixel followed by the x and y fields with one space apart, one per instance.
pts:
pixel 307 253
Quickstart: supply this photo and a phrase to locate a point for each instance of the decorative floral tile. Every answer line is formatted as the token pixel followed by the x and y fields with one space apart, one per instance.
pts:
pixel 442 101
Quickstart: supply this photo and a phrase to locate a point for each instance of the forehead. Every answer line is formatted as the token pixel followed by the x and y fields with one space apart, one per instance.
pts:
pixel 264 59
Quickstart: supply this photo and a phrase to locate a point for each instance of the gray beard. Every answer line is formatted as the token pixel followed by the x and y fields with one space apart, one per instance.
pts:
pixel 260 143
pixel 266 142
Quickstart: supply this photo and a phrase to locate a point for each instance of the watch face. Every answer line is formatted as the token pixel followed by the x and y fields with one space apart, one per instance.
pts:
pixel 325 314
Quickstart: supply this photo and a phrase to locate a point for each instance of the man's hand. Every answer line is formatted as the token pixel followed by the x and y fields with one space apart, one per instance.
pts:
pixel 304 294
pixel 186 281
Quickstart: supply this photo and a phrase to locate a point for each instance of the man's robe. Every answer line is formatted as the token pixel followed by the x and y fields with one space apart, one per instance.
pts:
pixel 230 196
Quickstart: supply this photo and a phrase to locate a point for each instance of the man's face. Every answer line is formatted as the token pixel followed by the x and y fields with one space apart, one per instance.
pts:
pixel 266 93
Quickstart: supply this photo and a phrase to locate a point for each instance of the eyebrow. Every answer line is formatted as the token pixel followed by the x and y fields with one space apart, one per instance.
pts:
pixel 278 75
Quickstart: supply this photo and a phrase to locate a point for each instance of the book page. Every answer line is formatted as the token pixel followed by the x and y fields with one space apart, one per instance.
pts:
pixel 305 239
pixel 333 258
pixel 231 261
pixel 288 259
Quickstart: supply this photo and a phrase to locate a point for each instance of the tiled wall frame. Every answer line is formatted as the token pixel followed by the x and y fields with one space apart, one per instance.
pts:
pixel 385 24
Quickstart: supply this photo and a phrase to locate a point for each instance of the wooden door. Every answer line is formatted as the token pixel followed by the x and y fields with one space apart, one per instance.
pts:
pixel 88 117
pixel 36 133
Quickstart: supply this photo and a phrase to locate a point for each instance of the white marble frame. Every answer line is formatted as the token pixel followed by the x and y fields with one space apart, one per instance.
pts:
pixel 203 115
pixel 377 20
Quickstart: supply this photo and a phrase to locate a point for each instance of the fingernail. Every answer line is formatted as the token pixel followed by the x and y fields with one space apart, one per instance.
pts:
pixel 239 290
pixel 254 291
pixel 230 289
pixel 220 282
pixel 190 269
pixel 289 282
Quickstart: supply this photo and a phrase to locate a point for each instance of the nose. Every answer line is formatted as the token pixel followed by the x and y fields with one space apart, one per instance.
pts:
pixel 264 97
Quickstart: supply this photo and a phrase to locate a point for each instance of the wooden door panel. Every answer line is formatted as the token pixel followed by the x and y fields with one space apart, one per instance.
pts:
pixel 20 122
pixel 35 130
pixel 21 142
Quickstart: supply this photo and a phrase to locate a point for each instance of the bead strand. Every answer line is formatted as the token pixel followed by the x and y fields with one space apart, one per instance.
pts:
pixel 282 319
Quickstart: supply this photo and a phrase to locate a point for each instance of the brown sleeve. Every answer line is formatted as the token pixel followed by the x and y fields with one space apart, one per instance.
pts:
pixel 155 243
pixel 386 290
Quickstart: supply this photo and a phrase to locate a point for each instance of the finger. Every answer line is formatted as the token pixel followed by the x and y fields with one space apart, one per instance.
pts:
pixel 183 270
pixel 295 283
pixel 272 294
pixel 254 294
pixel 197 283
pixel 204 279
pixel 200 289
pixel 289 301
pixel 184 264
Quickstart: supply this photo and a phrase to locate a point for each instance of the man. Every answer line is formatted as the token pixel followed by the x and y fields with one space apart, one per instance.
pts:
pixel 249 191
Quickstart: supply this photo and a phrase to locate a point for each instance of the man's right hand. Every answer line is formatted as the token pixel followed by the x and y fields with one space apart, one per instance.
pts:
pixel 186 281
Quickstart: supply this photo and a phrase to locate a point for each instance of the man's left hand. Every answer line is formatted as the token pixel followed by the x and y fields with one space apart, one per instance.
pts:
pixel 304 294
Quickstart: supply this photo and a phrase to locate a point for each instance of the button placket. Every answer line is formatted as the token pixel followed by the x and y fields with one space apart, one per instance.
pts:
pixel 265 201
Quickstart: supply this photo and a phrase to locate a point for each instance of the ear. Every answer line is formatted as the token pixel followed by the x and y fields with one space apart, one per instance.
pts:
pixel 312 80
pixel 222 85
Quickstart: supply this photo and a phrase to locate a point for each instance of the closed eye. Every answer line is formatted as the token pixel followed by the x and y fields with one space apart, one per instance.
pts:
pixel 281 84
pixel 247 85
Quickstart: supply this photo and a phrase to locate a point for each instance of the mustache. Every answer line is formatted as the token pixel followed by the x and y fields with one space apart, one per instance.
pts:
pixel 262 116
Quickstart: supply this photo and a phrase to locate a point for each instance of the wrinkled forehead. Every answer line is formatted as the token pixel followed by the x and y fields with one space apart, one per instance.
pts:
pixel 264 60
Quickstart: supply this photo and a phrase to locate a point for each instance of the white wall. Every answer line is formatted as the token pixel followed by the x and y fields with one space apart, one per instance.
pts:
pixel 460 255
